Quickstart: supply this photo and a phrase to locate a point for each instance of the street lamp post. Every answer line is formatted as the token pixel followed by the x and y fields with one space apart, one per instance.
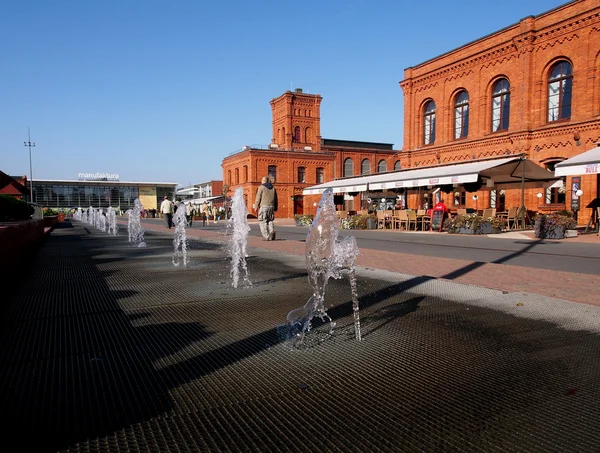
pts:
pixel 224 191
pixel 30 145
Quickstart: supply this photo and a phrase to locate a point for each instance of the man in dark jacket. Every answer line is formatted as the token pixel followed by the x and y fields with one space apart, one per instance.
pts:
pixel 266 205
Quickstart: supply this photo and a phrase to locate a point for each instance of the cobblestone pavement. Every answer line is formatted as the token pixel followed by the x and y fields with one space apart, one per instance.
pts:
pixel 111 348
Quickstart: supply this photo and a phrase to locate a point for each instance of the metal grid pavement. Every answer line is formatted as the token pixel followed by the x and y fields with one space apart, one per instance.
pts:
pixel 110 348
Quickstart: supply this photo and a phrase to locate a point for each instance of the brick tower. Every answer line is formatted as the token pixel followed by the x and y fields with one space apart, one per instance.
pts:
pixel 297 121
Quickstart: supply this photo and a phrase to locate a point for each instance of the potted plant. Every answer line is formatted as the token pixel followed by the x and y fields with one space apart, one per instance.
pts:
pixel 359 222
pixel 474 224
pixel 555 225
pixel 303 219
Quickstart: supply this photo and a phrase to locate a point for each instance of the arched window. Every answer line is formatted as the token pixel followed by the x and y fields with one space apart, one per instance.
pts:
pixel 365 167
pixel 461 115
pixel 429 123
pixel 348 167
pixel 500 105
pixel 272 173
pixel 237 176
pixel 320 178
pixel 382 166
pixel 229 177
pixel 560 86
pixel 307 135
pixel 282 136
pixel 301 174
pixel 397 165
pixel 245 173
pixel 297 134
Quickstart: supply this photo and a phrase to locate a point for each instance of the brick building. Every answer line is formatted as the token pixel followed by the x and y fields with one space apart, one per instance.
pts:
pixel 298 157
pixel 15 186
pixel 532 88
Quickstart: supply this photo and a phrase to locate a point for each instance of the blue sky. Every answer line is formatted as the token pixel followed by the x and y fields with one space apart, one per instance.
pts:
pixel 164 90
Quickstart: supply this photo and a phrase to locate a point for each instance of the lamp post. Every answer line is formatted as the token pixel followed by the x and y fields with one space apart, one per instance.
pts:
pixel 30 145
pixel 475 197
pixel 224 191
pixel 578 194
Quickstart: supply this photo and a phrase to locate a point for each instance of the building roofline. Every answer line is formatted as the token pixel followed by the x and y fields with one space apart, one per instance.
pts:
pixel 501 30
pixel 79 181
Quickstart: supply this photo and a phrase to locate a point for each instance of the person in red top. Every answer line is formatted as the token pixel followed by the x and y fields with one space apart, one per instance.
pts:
pixel 440 206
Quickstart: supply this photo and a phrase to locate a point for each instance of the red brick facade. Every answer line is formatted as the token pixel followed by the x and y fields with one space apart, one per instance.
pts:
pixel 524 54
pixel 297 155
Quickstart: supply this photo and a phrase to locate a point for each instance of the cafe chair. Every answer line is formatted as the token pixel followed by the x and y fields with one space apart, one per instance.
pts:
pixel 381 219
pixel 489 212
pixel 412 219
pixel 400 220
pixel 423 219
pixel 511 217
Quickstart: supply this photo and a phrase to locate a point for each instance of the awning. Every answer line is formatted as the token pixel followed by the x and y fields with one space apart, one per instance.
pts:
pixel 582 164
pixel 497 171
pixel 339 185
pixel 202 200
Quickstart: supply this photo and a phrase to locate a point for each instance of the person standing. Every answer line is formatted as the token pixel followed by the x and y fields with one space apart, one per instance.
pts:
pixel 189 213
pixel 266 205
pixel 205 213
pixel 215 213
pixel 166 207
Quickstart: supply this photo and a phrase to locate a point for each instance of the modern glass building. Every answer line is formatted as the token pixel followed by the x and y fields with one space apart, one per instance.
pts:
pixel 100 194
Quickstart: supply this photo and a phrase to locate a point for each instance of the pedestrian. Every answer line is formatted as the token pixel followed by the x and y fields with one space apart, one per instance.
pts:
pixel 166 207
pixel 189 213
pixel 177 204
pixel 205 213
pixel 215 213
pixel 266 205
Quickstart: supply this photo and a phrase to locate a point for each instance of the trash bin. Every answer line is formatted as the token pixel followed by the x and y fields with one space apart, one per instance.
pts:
pixel 371 224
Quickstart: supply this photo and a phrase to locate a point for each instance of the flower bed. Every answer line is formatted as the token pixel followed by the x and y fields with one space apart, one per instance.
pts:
pixel 474 224
pixel 554 226
pixel 359 222
pixel 303 219
pixel 355 222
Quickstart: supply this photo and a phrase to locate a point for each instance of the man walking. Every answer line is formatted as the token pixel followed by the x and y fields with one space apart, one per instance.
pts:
pixel 266 205
pixel 189 213
pixel 205 213
pixel 166 207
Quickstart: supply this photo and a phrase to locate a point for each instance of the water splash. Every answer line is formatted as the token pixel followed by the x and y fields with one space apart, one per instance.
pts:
pixel 238 229
pixel 134 226
pixel 326 257
pixel 78 215
pixel 101 220
pixel 180 237
pixel 112 221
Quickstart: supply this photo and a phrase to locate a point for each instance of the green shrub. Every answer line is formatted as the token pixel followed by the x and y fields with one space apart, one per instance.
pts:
pixel 357 222
pixel 49 212
pixel 554 225
pixel 303 219
pixel 473 222
pixel 12 209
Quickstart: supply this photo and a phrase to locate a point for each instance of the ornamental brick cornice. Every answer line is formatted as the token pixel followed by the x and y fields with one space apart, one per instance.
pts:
pixel 571 26
pixel 272 160
pixel 526 42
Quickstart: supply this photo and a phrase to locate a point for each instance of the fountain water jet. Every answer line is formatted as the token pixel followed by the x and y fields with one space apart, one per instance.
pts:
pixel 134 226
pixel 180 237
pixel 326 257
pixel 112 221
pixel 238 229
